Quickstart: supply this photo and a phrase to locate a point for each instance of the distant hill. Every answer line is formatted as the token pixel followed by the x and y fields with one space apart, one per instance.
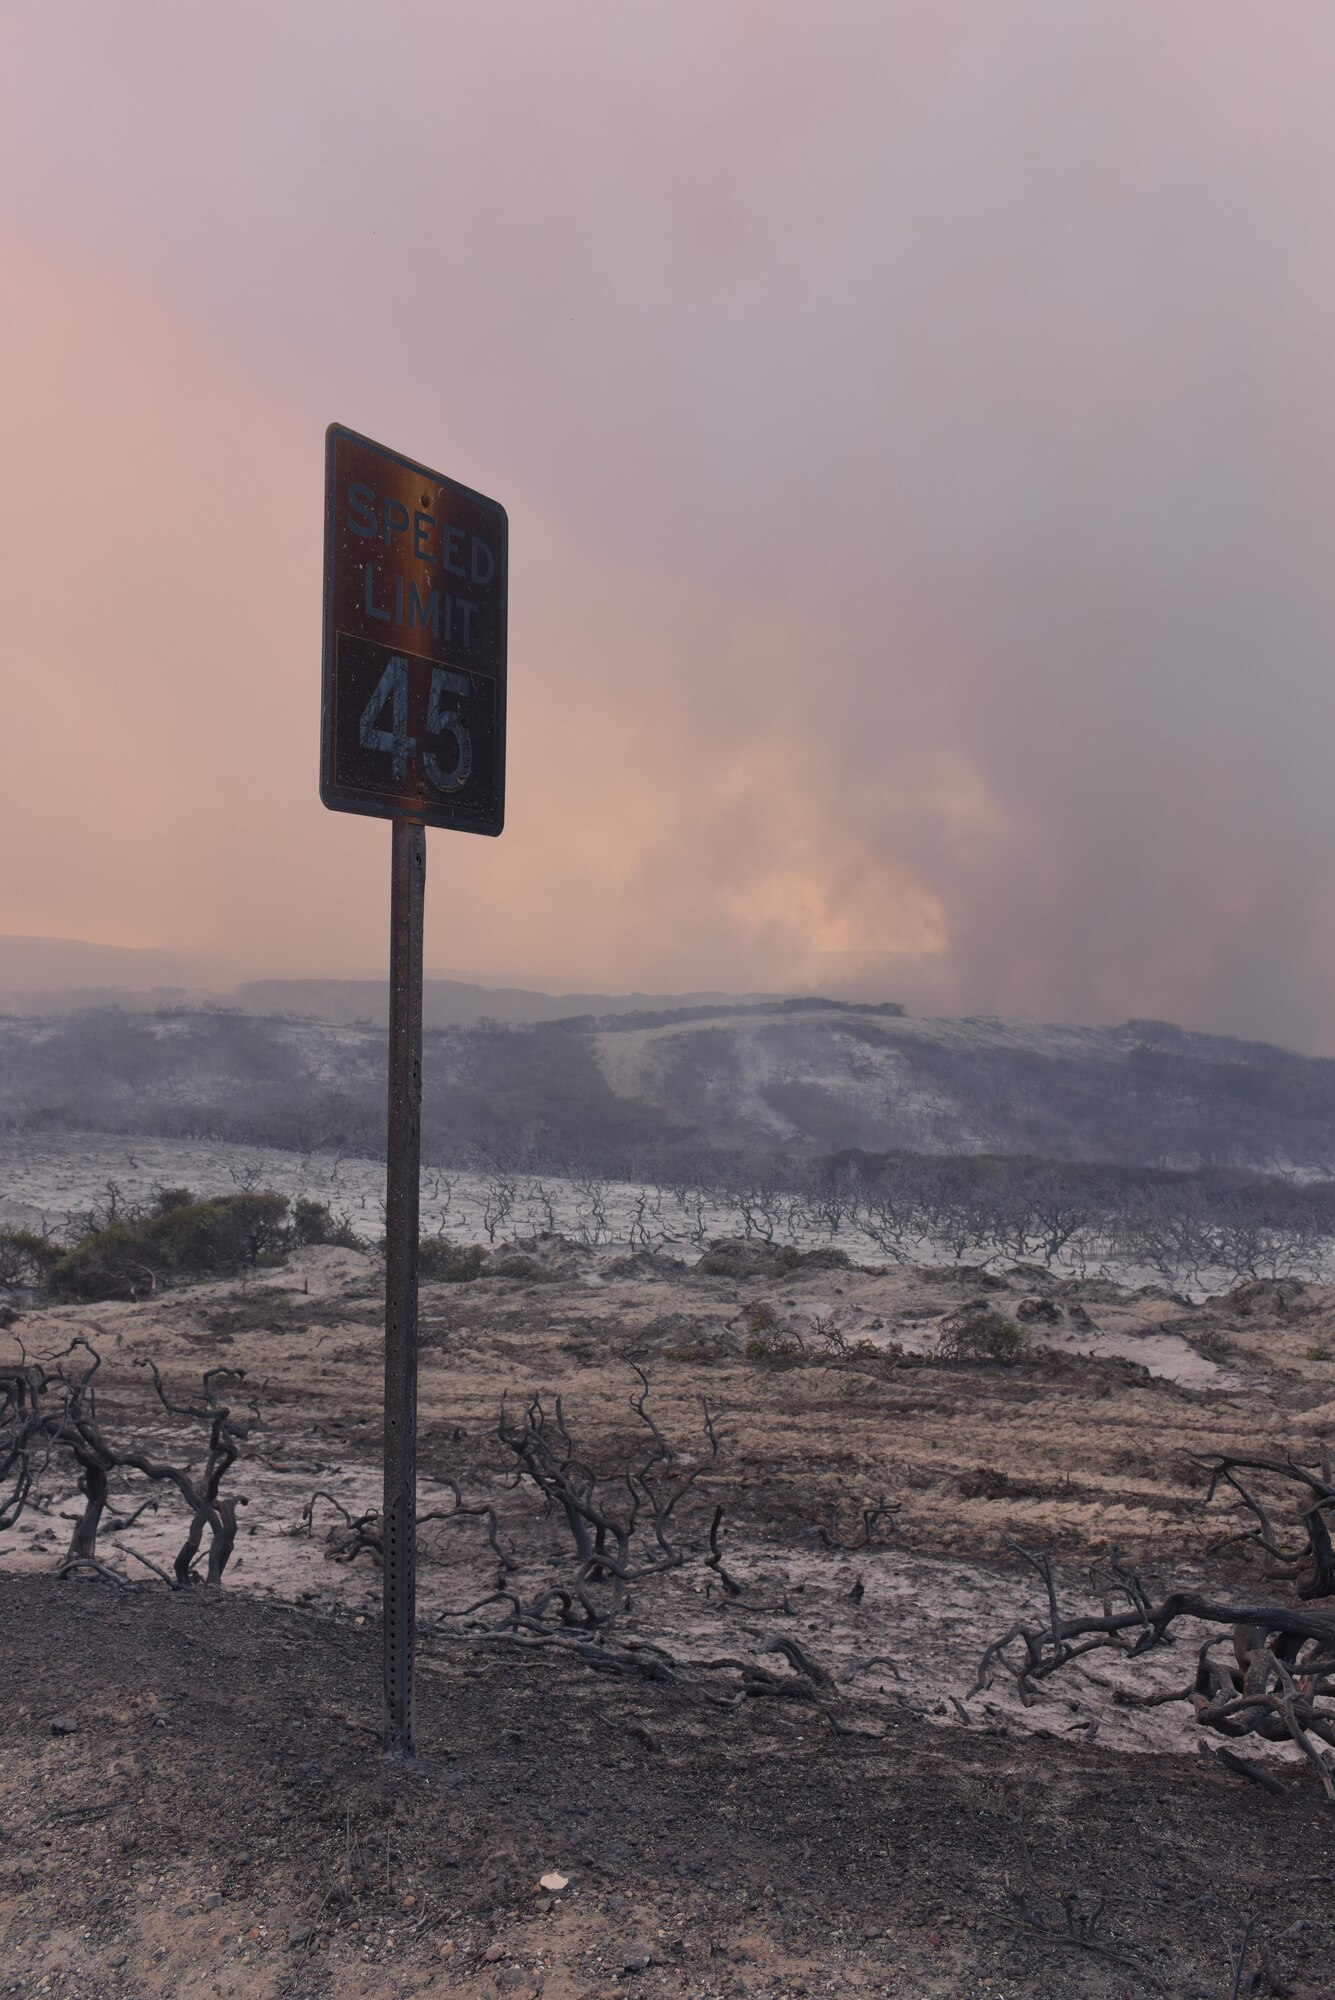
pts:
pixel 46 975
pixel 622 1090
pixel 829 1076
pixel 40 962
pixel 65 975
pixel 456 1003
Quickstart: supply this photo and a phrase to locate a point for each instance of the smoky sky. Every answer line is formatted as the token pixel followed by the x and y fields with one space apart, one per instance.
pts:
pixel 917 430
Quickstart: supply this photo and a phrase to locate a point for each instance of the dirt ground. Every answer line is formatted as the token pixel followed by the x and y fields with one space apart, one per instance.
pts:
pixel 191 1792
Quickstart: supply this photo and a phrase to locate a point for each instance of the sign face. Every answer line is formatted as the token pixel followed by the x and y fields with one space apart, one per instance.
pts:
pixel 413 714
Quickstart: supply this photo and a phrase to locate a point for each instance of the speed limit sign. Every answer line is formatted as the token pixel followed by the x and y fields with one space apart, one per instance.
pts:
pixel 413 712
pixel 412 730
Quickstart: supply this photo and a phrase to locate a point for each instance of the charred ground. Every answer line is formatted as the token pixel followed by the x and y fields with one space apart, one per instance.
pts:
pixel 166 1750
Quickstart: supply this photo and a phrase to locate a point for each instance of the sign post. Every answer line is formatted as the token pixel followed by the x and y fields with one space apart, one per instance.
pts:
pixel 412 730
pixel 398 1517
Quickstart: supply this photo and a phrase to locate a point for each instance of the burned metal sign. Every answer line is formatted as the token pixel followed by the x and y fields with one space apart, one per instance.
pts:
pixel 412 730
pixel 413 715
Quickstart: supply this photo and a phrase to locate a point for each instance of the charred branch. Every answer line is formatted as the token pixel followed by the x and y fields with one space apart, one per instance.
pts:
pixel 47 1411
pixel 1278 1683
pixel 872 1516
pixel 623 1533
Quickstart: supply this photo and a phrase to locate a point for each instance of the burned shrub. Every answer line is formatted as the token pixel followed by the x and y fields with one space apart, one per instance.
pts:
pixel 517 1265
pixel 811 1341
pixel 1279 1683
pixel 745 1257
pixel 48 1412
pixel 735 1257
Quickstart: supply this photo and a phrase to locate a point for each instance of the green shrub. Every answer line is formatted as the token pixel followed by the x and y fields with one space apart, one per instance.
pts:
pixel 222 1234
pixel 313 1222
pixel 982 1335
pixel 449 1263
pixel 25 1258
pixel 519 1266
pixel 764 1339
pixel 774 1347
pixel 170 1198
pixel 117 1262
pixel 179 1238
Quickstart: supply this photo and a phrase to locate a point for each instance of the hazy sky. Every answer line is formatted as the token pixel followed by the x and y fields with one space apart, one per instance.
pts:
pixel 917 425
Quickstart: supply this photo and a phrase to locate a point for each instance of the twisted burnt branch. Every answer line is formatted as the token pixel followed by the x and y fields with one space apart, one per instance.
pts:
pixel 622 1524
pixel 1310 1561
pixel 47 1409
pixel 358 1531
pixel 1081 1928
pixel 353 1533
pixel 1279 1684
pixel 736 1592
pixel 879 1510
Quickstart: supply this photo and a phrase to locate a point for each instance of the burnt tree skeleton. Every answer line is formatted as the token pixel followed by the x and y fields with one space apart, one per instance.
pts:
pixel 1280 1683
pixel 49 1408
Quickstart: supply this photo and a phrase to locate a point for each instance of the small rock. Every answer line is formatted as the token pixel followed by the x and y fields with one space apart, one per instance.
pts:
pixel 494 1953
pixel 637 1958
pixel 213 1900
pixel 64 1725
pixel 297 1939
pixel 553 1882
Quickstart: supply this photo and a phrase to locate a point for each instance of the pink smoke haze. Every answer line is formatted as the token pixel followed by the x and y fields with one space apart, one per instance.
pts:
pixel 917 427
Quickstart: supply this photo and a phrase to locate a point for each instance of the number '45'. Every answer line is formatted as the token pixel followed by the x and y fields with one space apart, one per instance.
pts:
pixel 391 693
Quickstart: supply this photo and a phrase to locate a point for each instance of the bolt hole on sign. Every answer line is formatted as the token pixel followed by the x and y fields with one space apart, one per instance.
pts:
pixel 413 713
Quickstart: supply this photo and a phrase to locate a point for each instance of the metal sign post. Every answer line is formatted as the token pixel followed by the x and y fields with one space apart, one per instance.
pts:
pixel 402 1182
pixel 412 730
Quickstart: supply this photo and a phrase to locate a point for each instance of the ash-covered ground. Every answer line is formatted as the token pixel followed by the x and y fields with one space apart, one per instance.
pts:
pixel 192 1794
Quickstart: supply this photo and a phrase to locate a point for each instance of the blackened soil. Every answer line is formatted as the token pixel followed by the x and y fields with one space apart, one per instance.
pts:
pixel 192 1800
